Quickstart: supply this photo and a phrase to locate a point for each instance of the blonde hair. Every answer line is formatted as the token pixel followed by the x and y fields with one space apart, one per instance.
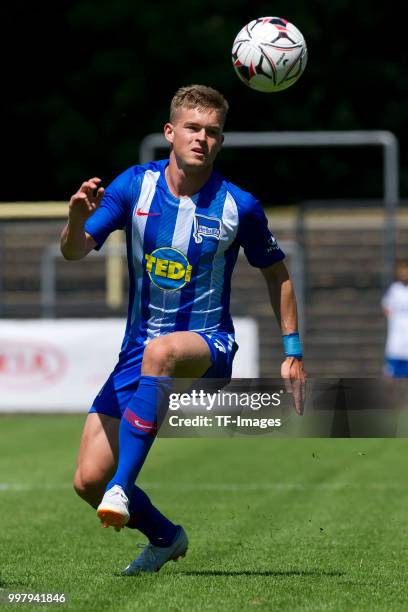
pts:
pixel 200 97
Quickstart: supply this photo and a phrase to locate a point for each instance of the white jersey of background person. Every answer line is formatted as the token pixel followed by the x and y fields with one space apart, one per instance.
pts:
pixel 395 302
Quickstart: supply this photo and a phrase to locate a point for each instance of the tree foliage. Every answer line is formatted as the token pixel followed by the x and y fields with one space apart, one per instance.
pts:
pixel 85 81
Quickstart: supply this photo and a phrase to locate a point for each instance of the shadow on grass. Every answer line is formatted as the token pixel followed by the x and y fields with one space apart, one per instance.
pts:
pixel 11 585
pixel 306 573
pixel 276 573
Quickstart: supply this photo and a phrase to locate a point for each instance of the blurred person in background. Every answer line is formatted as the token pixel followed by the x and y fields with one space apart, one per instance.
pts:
pixel 395 307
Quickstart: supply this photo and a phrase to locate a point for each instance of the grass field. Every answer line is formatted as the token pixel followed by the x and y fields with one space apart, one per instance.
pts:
pixel 285 524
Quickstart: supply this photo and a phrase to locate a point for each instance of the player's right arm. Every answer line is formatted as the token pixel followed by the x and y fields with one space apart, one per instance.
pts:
pixel 76 243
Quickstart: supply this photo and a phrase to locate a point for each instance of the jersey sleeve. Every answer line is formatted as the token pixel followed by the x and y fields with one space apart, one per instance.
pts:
pixel 260 245
pixel 113 210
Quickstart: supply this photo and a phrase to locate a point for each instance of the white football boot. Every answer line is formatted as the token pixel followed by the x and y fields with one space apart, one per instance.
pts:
pixel 113 510
pixel 152 558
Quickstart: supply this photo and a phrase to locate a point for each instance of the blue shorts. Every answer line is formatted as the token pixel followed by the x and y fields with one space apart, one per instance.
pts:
pixel 396 368
pixel 122 384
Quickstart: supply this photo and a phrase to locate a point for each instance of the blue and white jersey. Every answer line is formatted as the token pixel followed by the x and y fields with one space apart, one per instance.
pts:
pixel 181 251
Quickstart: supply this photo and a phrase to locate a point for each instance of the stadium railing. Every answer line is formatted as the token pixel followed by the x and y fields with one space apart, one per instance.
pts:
pixel 383 138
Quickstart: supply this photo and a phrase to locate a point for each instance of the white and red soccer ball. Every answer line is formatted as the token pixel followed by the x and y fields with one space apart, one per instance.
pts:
pixel 269 54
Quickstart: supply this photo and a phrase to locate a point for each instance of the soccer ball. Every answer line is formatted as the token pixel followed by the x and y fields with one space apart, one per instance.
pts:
pixel 269 54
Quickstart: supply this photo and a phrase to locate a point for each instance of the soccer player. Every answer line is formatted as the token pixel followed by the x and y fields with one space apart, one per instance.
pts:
pixel 184 226
pixel 395 307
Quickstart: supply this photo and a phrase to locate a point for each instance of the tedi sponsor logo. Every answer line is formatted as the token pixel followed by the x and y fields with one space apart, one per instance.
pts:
pixel 25 364
pixel 168 268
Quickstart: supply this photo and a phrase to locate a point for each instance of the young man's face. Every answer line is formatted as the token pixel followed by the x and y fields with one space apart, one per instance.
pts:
pixel 196 137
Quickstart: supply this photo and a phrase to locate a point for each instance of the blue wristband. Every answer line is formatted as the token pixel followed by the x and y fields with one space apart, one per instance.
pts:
pixel 292 345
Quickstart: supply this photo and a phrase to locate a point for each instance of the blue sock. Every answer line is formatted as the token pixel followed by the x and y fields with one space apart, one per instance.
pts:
pixel 137 431
pixel 147 519
pixel 138 428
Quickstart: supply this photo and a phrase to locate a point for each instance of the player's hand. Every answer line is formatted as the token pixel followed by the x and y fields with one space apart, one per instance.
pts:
pixel 294 377
pixel 86 200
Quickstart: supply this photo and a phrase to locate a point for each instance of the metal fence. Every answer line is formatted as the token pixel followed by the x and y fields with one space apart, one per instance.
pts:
pixel 390 170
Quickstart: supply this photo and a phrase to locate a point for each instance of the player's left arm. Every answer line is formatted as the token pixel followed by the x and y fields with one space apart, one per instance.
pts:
pixel 386 302
pixel 262 251
pixel 283 301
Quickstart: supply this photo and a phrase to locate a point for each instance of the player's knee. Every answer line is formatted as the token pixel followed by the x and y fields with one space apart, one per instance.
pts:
pixel 79 484
pixel 159 358
pixel 87 486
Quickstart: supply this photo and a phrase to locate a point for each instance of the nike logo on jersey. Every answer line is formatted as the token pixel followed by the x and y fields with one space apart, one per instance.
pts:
pixel 140 213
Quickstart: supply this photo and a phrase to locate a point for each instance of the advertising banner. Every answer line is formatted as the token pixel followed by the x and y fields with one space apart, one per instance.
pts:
pixel 60 365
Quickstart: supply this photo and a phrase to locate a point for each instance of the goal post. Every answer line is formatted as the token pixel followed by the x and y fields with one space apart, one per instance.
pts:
pixel 354 138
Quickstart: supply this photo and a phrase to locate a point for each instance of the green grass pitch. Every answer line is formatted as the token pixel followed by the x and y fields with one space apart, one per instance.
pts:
pixel 274 524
